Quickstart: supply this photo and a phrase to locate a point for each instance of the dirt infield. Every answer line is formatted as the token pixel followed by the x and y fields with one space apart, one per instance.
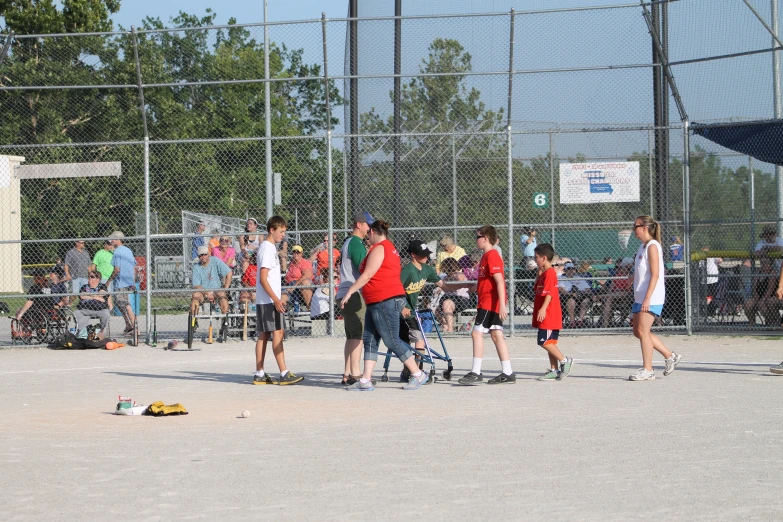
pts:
pixel 702 443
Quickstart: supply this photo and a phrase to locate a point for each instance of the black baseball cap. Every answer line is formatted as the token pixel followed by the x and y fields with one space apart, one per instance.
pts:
pixel 419 248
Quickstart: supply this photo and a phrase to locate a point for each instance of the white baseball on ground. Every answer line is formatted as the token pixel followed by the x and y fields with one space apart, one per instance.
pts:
pixel 245 414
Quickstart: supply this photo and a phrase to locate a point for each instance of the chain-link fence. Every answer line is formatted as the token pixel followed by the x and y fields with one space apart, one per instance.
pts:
pixel 551 125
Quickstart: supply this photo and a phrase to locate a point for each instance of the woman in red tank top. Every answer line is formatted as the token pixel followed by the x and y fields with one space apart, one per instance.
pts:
pixel 385 298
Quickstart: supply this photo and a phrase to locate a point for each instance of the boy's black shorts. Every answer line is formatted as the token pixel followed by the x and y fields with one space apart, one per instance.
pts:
pixel 547 336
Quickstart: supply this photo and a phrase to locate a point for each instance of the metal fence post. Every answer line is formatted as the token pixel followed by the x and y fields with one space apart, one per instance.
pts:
pixel 329 195
pixel 267 120
pixel 147 232
pixel 510 246
pixel 552 184
pixel 686 181
pixel 6 46
pixel 752 180
pixel 454 185
pixel 650 141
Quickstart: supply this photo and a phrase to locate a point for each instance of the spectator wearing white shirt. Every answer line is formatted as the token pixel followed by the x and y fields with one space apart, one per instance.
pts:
pixel 770 242
pixel 710 267
pixel 574 290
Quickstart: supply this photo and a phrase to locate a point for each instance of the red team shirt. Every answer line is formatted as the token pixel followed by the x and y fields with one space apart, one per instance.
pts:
pixel 546 284
pixel 386 283
pixel 491 263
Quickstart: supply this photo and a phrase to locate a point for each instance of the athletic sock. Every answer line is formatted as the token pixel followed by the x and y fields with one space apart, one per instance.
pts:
pixel 506 365
pixel 364 381
pixel 260 373
pixel 283 374
pixel 476 366
pixel 417 374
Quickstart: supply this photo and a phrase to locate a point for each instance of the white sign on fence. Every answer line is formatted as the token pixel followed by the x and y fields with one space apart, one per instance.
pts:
pixel 599 182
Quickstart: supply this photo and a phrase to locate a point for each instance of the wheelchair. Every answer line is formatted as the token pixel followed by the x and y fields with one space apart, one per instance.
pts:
pixel 42 327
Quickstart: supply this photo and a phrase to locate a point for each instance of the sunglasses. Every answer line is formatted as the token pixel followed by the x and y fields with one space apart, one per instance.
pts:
pixel 639 226
pixel 94 277
pixel 479 237
pixel 201 255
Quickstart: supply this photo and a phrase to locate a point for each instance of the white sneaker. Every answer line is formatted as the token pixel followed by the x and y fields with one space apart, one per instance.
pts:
pixel 778 370
pixel 642 375
pixel 671 363
pixel 135 410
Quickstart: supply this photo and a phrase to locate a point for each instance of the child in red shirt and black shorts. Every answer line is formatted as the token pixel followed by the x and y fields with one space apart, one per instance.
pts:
pixel 491 289
pixel 548 314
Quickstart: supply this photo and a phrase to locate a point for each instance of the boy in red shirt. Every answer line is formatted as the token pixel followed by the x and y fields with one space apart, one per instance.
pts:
pixel 491 288
pixel 548 315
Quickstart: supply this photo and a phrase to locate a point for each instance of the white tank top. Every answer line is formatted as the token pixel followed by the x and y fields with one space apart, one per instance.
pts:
pixel 641 276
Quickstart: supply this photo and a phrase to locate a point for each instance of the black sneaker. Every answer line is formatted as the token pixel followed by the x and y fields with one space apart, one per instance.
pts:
pixel 405 375
pixel 266 379
pixel 290 378
pixel 471 379
pixel 503 379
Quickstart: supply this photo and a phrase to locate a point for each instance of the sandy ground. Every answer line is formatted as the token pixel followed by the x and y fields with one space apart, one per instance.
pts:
pixel 703 443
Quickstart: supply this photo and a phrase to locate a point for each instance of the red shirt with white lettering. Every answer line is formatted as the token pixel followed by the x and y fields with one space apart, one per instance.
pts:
pixel 546 284
pixel 491 263
pixel 386 282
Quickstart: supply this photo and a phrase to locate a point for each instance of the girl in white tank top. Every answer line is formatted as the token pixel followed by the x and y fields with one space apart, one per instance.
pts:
pixel 649 295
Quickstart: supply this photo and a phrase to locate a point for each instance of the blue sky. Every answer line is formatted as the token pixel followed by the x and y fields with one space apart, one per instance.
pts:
pixel 133 11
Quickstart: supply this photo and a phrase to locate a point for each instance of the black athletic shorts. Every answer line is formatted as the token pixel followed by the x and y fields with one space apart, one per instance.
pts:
pixel 486 321
pixel 268 319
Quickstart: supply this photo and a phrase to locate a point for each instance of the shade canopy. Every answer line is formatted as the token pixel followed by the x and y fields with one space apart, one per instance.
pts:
pixel 762 140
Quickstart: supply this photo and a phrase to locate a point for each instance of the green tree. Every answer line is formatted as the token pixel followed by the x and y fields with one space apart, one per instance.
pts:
pixel 221 178
pixel 436 104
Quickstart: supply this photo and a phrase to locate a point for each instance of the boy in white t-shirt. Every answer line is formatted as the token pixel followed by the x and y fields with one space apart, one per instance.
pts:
pixel 269 307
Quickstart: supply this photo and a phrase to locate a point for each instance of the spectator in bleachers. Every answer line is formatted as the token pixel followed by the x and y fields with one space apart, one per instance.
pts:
pixel 77 265
pixel 320 259
pixel 710 267
pixel 763 300
pixel 40 287
pixel 101 262
pixel 249 279
pixel 324 245
pixel 676 249
pixel 496 246
pixel 124 274
pixel 448 250
pixel 214 241
pixel 282 253
pixel 319 306
pixel 57 286
pixel 213 275
pixel 300 274
pixel 574 290
pixel 452 302
pixel 529 241
pixel 226 253
pixel 248 243
pixel 197 241
pixel 770 242
pixel 93 303
pixel 618 295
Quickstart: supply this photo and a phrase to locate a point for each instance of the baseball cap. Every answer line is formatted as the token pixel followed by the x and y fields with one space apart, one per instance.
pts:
pixel 39 272
pixel 116 235
pixel 569 265
pixel 363 217
pixel 627 261
pixel 296 248
pixel 57 270
pixel 203 249
pixel 419 248
pixel 768 231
